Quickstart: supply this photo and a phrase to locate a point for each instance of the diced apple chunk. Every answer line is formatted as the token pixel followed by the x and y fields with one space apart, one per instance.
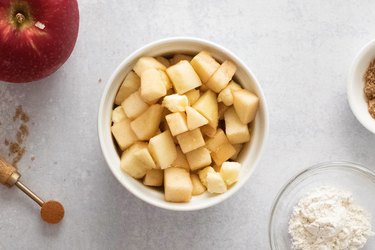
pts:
pixel 183 77
pixel 154 178
pixel 236 131
pixel 220 79
pixel 245 104
pixel 130 164
pixel 226 95
pixel 163 61
pixel 222 108
pixel 208 130
pixel 178 58
pixel 207 106
pixel 205 65
pixel 144 156
pixel 194 119
pixel 223 152
pixel 215 183
pixel 152 85
pixel 147 62
pixel 193 96
pixel 238 148
pixel 181 161
pixel 167 82
pixel 118 114
pixel 190 140
pixel 198 187
pixel 217 140
pixel 134 105
pixel 177 123
pixel 175 102
pixel 221 149
pixel 123 134
pixel 163 149
pixel 203 174
pixel 147 124
pixel 198 158
pixel 230 172
pixel 130 84
pixel 177 185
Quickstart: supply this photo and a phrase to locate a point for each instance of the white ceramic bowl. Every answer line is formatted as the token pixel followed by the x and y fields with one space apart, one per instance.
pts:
pixel 357 99
pixel 249 155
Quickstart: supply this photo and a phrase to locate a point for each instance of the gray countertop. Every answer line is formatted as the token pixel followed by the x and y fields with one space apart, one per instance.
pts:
pixel 300 51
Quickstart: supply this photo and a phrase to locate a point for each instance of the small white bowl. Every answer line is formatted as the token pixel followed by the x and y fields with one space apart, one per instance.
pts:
pixel 356 96
pixel 249 155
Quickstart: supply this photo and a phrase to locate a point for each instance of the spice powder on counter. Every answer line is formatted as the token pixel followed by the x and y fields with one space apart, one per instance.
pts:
pixel 369 89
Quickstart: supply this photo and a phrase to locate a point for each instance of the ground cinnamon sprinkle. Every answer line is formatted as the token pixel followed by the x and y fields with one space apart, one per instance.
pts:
pixel 15 147
pixel 369 89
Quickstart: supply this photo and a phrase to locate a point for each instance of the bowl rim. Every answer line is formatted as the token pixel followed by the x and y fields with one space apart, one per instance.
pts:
pixel 318 166
pixel 350 84
pixel 128 59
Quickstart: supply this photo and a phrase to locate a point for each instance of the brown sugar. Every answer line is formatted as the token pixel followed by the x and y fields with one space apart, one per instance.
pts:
pixel 369 89
pixel 52 212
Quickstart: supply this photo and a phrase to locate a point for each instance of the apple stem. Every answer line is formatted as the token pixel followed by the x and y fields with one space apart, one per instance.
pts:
pixel 20 18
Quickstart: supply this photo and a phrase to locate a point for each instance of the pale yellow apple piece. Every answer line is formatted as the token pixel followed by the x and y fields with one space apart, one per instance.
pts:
pixel 144 156
pixel 226 95
pixel 177 123
pixel 167 82
pixel 205 65
pixel 130 165
pixel 118 114
pixel 236 131
pixel 130 84
pixel 146 125
pixel 217 140
pixel 198 187
pixel 246 105
pixel 175 102
pixel 222 108
pixel 230 171
pixel 147 62
pixel 215 183
pixel 223 153
pixel 190 140
pixel 198 158
pixel 203 174
pixel 220 79
pixel 181 161
pixel 152 85
pixel 207 106
pixel 123 134
pixel 194 118
pixel 177 185
pixel 193 96
pixel 163 149
pixel 154 178
pixel 178 58
pixel 208 130
pixel 163 61
pixel 238 148
pixel 134 105
pixel 183 77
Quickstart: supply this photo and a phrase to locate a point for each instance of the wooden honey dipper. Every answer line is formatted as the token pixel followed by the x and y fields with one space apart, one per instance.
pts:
pixel 51 211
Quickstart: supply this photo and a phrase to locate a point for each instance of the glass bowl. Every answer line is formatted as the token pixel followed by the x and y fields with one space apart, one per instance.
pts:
pixel 347 176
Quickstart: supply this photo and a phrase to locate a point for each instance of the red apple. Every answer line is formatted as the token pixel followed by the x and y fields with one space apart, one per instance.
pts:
pixel 36 37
